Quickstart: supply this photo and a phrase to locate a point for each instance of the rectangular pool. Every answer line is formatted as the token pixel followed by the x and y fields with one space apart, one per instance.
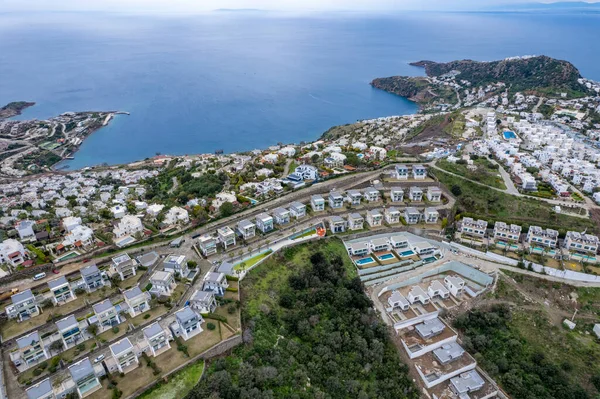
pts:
pixel 509 135
pixel 430 259
pixel 72 254
pixel 407 253
pixel 365 261
pixel 386 257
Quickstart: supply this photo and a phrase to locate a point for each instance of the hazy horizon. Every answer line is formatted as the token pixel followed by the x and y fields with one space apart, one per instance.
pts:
pixel 195 6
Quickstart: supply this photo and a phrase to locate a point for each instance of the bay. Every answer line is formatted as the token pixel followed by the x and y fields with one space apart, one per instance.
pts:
pixel 239 81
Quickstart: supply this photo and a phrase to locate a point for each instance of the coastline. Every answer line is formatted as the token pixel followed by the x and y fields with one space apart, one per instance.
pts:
pixel 109 118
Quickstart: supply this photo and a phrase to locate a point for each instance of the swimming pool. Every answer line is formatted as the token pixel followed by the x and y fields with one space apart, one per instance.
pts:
pixel 386 257
pixel 69 255
pixel 407 253
pixel 509 135
pixel 585 257
pixel 430 259
pixel 507 245
pixel 365 261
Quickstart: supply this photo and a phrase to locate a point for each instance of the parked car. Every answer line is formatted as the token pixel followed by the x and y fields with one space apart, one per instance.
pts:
pixel 99 359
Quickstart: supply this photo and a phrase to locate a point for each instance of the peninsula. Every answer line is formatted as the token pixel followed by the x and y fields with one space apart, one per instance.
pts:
pixel 468 230
pixel 34 146
pixel 14 109
pixel 444 83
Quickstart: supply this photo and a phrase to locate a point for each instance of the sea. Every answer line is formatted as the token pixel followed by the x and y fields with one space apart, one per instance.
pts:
pixel 236 81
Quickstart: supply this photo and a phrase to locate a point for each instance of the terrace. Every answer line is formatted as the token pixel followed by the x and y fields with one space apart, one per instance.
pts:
pixel 415 345
pixel 433 372
pixel 445 391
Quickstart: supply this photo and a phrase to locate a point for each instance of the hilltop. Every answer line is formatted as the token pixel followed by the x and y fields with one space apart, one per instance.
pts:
pixel 532 75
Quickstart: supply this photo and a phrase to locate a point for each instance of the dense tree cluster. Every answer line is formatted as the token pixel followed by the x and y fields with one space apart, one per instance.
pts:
pixel 322 339
pixel 523 372
pixel 162 187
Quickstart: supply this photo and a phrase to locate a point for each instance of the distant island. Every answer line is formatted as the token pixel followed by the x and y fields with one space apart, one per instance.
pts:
pixel 14 109
pixel 540 75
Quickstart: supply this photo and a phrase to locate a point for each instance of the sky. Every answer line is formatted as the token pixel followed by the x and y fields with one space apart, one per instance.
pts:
pixel 283 5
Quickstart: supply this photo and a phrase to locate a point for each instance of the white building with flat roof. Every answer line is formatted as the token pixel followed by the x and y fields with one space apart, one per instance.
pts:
pixel 226 237
pixel 474 228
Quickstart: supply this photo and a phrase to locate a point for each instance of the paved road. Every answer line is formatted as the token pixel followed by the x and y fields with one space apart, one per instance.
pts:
pixel 341 183
pixel 510 185
pixel 587 205
pixel 540 101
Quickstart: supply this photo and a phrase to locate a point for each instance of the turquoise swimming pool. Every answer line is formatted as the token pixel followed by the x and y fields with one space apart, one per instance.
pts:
pixel 507 245
pixel 365 261
pixel 585 257
pixel 69 255
pixel 429 259
pixel 550 252
pixel 386 257
pixel 407 253
pixel 509 135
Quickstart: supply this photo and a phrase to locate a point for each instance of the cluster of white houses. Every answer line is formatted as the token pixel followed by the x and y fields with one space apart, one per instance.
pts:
pixel 70 331
pixel 536 239
pixel 376 218
pixel 123 356
pixel 264 222
pixel 445 368
pixel 399 243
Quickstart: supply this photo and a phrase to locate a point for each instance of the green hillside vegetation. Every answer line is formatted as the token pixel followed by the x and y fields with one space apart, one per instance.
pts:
pixel 486 203
pixel 310 332
pixel 528 356
pixel 540 75
pixel 416 89
pixel 543 74
pixel 14 108
pixel 482 171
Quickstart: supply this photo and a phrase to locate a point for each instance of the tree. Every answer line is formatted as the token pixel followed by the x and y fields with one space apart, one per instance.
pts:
pixel 352 159
pixel 456 190
pixel 105 213
pixel 57 346
pixel 533 170
pixel 131 208
pixel 226 209
pixel 93 329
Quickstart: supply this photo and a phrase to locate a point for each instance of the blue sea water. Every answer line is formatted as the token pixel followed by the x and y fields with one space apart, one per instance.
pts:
pixel 237 81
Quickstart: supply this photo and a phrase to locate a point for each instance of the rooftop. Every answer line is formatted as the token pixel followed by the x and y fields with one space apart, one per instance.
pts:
pixel 448 352
pixel 41 389
pixel 161 276
pixel 148 259
pixel 22 296
pixel 67 322
pixel 89 270
pixel 245 224
pixel 430 327
pixel 121 346
pixel 201 296
pixel 152 330
pixel 185 314
pixel 28 339
pixel 81 369
pixel 467 382
pixel 133 292
pixel 102 306
pixel 57 282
